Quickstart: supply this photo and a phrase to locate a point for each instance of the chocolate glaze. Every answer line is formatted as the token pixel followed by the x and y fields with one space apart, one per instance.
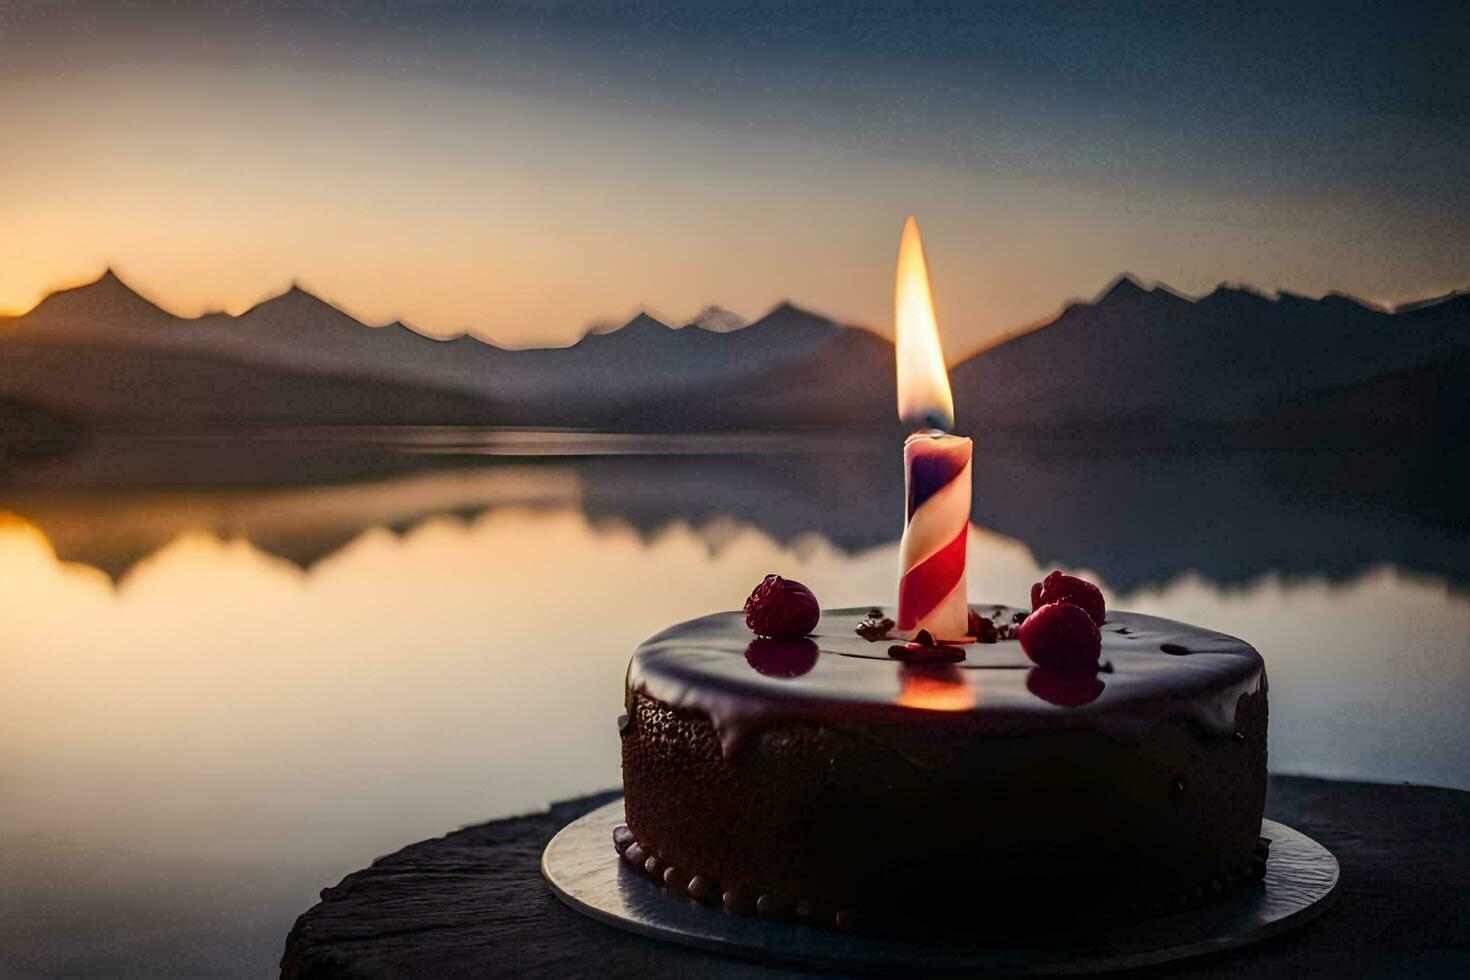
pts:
pixel 702 666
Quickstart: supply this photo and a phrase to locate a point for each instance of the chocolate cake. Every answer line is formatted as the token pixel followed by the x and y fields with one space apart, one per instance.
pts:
pixel 822 778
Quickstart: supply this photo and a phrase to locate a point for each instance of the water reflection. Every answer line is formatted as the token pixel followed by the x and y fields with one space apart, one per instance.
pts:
pixel 1140 520
pixel 315 675
pixel 250 697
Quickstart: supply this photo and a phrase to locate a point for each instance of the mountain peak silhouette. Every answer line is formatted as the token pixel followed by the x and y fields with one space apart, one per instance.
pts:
pixel 295 295
pixel 1235 294
pixel 640 326
pixel 643 323
pixel 789 315
pixel 786 307
pixel 107 284
pixel 1126 292
pixel 105 297
pixel 716 319
pixel 1122 289
pixel 300 305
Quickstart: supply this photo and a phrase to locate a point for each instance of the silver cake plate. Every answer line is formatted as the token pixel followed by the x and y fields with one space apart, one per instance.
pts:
pixel 585 873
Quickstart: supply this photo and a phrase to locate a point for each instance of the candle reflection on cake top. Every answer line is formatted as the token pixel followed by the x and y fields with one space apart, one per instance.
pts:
pixel 935 688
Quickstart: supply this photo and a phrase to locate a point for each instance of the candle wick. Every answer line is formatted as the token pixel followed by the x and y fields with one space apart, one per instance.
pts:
pixel 929 420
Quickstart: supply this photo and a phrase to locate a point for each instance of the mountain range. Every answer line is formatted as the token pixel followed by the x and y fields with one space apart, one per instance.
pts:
pixel 1135 364
pixel 299 332
pixel 1151 356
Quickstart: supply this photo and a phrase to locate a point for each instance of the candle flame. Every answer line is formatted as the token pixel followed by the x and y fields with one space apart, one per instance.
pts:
pixel 924 399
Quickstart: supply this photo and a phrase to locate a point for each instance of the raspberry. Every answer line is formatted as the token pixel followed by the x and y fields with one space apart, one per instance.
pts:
pixel 1060 587
pixel 1061 636
pixel 782 608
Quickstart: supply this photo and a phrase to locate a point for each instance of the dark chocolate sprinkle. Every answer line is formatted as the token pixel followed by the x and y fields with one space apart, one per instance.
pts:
pixel 917 653
pixel 1174 649
pixel 1176 787
pixel 736 900
pixel 873 630
pixel 704 888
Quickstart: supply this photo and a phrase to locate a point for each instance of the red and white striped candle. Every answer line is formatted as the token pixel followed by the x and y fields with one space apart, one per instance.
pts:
pixel 932 594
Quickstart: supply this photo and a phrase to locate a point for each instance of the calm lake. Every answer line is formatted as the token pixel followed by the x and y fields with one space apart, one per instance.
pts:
pixel 216 700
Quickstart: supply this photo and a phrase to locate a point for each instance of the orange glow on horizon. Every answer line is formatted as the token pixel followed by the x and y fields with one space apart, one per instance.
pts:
pixel 924 398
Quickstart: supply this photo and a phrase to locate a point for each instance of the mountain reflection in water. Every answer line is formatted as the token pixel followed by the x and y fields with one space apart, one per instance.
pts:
pixel 1138 519
pixel 307 676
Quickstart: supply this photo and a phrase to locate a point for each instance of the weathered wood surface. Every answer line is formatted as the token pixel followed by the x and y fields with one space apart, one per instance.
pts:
pixel 473 902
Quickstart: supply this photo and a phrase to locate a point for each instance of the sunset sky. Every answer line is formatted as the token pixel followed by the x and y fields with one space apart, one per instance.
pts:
pixel 525 171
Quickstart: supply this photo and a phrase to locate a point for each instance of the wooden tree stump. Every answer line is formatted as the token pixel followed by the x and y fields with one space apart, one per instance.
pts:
pixel 473 902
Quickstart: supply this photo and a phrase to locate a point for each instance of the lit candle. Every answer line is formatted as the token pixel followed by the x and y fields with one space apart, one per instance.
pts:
pixel 931 592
